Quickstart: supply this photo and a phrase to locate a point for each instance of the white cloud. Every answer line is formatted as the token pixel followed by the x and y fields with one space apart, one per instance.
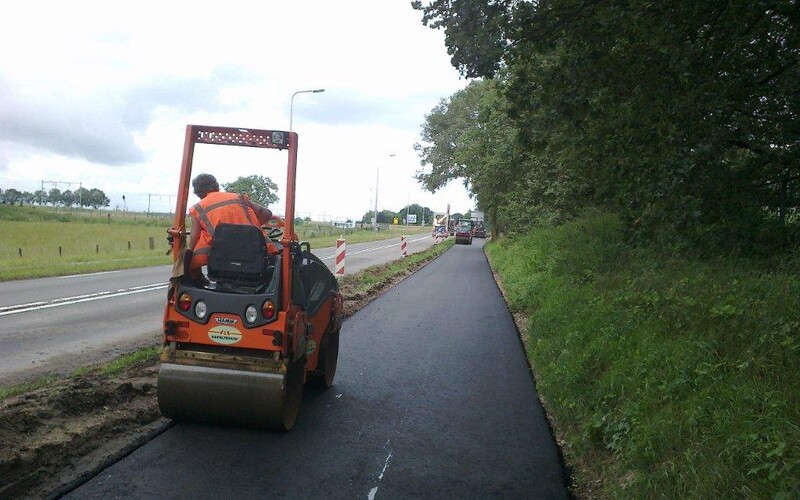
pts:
pixel 100 92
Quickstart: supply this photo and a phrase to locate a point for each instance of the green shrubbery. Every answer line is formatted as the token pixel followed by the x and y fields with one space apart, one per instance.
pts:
pixel 666 376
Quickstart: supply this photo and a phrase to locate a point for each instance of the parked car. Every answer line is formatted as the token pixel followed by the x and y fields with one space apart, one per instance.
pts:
pixel 463 233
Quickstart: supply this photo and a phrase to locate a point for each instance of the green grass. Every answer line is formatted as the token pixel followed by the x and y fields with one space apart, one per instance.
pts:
pixel 110 368
pixel 366 279
pixel 8 391
pixel 59 248
pixel 121 363
pixel 666 376
pixel 43 241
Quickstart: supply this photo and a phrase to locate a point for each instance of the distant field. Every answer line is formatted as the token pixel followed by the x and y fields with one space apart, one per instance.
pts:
pixel 34 249
pixel 41 241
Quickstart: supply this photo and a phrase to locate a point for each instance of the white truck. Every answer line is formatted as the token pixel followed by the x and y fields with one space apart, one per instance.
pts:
pixel 478 224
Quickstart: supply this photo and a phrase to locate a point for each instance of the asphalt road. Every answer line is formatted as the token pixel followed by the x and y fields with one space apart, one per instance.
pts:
pixel 58 324
pixel 433 399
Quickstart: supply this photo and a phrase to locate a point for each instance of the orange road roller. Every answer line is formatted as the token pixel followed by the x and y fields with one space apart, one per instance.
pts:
pixel 242 340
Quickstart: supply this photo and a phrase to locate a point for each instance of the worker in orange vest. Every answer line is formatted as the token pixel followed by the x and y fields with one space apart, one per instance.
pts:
pixel 214 208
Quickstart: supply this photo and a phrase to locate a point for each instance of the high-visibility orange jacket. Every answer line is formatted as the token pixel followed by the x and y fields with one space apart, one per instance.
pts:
pixel 216 208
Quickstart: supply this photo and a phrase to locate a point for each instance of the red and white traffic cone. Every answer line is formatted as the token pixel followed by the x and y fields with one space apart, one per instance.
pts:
pixel 403 246
pixel 340 251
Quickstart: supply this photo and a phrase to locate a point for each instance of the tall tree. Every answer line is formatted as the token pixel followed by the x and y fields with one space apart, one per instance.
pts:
pixel 54 197
pixel 386 217
pixel 475 32
pixel 681 115
pixel 97 199
pixel 470 137
pixel 12 196
pixel 82 197
pixel 40 196
pixel 260 189
pixel 68 198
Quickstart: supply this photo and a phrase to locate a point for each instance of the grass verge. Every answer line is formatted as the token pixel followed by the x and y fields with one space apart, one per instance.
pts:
pixel 367 281
pixel 663 376
pixel 17 389
pixel 119 364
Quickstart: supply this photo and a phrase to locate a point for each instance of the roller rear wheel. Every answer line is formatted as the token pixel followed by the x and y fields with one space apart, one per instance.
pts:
pixel 328 359
pixel 292 395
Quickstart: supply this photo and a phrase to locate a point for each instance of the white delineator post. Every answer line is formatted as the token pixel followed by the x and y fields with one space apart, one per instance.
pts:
pixel 340 251
pixel 403 246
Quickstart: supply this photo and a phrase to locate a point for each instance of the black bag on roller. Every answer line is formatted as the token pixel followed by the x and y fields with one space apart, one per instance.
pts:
pixel 238 253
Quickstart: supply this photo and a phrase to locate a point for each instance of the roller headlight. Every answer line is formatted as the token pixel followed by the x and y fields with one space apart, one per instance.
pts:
pixel 250 314
pixel 200 309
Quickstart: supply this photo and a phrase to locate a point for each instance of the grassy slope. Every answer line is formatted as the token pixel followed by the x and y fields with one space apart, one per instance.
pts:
pixel 666 377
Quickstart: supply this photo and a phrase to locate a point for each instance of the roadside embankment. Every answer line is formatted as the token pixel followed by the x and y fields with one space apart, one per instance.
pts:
pixel 663 376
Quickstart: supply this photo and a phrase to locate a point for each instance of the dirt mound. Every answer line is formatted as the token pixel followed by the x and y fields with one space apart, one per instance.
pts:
pixel 58 434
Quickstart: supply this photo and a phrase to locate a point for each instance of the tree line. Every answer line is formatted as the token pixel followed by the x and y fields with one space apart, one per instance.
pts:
pixel 81 197
pixel 263 190
pixel 423 215
pixel 680 116
pixel 260 189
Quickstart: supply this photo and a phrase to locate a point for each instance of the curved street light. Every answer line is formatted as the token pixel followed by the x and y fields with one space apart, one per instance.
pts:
pixel 291 102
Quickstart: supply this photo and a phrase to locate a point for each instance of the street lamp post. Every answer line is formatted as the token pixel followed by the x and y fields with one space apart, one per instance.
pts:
pixel 377 177
pixel 408 207
pixel 291 102
pixel 375 213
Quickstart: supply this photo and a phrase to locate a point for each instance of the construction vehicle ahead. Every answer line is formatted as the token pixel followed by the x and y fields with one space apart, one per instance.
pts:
pixel 241 343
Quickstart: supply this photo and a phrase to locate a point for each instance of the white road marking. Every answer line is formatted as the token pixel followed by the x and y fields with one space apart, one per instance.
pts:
pixel 65 301
pixel 374 491
pixel 83 275
pixel 18 306
pixel 385 465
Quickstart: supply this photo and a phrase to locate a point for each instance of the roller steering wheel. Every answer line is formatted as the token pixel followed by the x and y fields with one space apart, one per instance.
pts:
pixel 274 227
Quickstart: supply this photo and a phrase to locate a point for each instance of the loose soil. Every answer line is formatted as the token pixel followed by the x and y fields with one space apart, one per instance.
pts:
pixel 55 438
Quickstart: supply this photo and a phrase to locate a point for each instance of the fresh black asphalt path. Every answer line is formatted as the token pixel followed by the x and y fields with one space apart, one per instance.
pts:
pixel 433 399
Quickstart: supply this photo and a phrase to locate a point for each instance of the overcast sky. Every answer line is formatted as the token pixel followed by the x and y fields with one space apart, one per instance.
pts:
pixel 100 93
